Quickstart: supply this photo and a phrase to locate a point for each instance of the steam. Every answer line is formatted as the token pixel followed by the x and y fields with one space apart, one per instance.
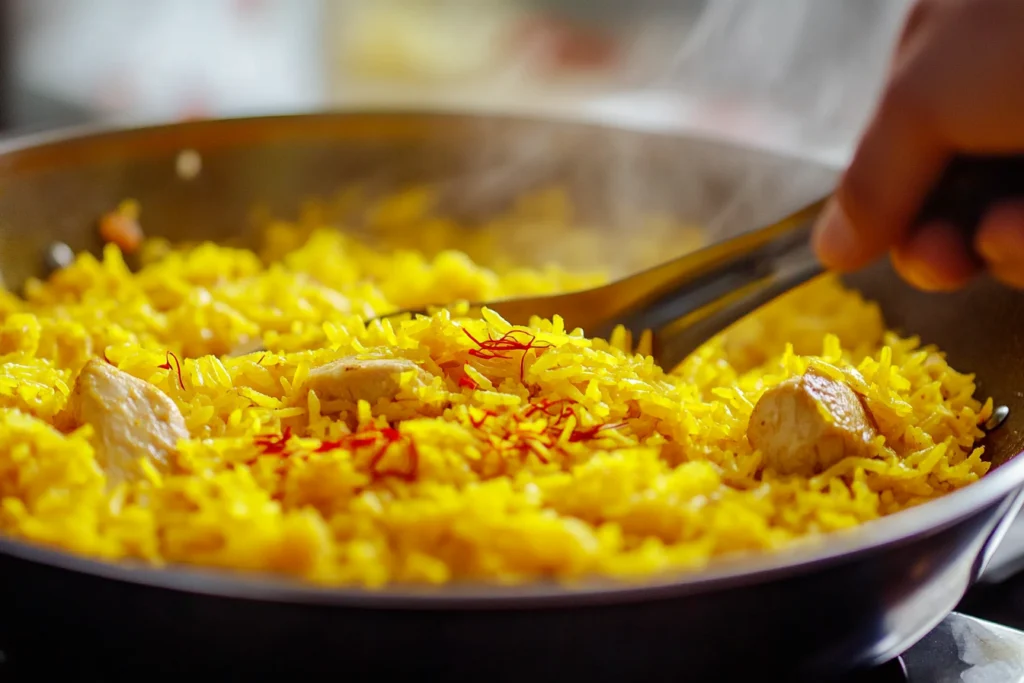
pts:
pixel 801 76
pixel 821 63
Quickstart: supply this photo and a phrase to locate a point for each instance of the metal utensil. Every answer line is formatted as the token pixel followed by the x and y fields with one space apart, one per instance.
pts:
pixel 691 298
pixel 687 300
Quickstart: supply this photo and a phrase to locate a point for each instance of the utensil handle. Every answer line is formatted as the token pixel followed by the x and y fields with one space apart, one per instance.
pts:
pixel 970 186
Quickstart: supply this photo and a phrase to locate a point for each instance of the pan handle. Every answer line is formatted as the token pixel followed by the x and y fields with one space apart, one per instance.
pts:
pixel 969 186
pixel 1008 515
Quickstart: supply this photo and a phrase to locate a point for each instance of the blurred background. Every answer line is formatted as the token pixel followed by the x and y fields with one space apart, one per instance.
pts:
pixel 799 75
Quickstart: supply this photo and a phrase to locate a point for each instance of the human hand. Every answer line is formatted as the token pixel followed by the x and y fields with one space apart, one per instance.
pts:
pixel 955 87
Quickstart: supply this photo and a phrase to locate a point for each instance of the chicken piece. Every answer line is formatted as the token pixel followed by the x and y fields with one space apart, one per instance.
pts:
pixel 349 380
pixel 806 424
pixel 132 419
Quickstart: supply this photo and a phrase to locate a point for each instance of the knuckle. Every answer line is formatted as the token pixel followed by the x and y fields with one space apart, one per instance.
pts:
pixel 915 18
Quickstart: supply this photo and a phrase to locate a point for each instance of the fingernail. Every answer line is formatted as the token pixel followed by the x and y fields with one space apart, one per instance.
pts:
pixel 993 252
pixel 918 275
pixel 1000 238
pixel 1009 276
pixel 924 279
pixel 834 238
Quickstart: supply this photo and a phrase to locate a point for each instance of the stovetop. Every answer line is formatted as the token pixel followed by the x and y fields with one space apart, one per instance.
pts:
pixel 962 649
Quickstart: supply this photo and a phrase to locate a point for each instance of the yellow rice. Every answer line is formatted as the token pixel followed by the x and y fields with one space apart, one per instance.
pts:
pixel 669 483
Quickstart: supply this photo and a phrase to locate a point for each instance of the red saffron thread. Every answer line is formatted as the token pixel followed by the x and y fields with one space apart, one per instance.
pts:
pixel 477 424
pixel 392 436
pixel 277 444
pixel 511 441
pixel 274 444
pixel 167 366
pixel 544 406
pixel 468 382
pixel 592 432
pixel 350 441
pixel 362 441
pixel 532 446
pixel 490 348
pixel 326 446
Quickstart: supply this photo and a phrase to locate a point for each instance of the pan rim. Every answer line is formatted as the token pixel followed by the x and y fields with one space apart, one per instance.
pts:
pixel 300 122
pixel 839 547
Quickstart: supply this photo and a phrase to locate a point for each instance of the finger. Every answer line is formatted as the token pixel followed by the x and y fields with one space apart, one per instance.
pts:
pixel 1000 242
pixel 948 90
pixel 915 19
pixel 897 162
pixel 936 258
pixel 957 59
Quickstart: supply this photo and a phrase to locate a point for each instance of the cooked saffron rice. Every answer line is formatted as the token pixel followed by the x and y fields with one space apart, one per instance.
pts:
pixel 511 454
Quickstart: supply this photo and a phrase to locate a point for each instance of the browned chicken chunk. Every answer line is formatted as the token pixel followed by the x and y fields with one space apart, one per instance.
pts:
pixel 349 380
pixel 132 419
pixel 806 424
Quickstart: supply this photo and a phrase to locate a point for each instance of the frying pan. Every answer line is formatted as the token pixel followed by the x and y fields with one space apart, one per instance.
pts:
pixel 855 599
